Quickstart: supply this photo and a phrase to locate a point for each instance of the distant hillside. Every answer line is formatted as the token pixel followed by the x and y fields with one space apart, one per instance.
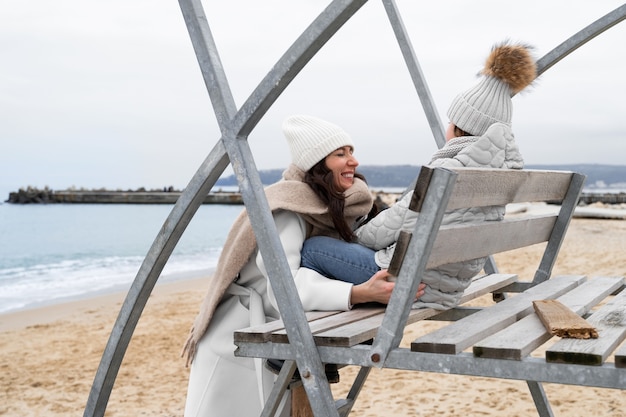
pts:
pixel 598 176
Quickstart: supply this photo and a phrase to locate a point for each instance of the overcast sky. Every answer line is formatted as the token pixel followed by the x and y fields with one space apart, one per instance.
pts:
pixel 97 93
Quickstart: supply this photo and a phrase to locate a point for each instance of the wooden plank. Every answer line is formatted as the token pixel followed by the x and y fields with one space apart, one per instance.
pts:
pixel 262 332
pixel 331 322
pixel 477 187
pixel 485 284
pixel 521 338
pixel 560 321
pixel 620 357
pixel 358 332
pixel 610 320
pixel 421 186
pixel 460 335
pixel 457 243
pixel 402 244
pixel 325 321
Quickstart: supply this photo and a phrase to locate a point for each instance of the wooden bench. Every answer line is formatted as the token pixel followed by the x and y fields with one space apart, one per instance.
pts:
pixel 496 340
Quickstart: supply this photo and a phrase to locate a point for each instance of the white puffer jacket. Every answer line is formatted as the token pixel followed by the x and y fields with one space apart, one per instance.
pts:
pixel 445 284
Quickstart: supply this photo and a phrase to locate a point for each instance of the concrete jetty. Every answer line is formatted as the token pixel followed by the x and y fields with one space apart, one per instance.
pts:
pixel 115 197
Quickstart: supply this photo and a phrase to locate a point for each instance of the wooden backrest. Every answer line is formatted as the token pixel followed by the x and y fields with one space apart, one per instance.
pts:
pixel 437 191
pixel 440 190
pixel 495 187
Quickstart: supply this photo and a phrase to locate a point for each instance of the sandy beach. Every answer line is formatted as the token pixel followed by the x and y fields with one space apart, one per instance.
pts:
pixel 49 355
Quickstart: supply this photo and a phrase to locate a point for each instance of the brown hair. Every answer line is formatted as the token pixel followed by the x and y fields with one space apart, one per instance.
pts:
pixel 320 179
pixel 458 132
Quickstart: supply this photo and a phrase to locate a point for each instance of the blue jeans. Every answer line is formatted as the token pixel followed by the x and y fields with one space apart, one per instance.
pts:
pixel 337 259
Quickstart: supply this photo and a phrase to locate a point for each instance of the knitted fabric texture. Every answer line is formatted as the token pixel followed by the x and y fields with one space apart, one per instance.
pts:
pixel 508 69
pixel 453 147
pixel 311 139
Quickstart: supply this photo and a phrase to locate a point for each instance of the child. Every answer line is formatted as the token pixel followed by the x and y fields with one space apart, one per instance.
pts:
pixel 479 135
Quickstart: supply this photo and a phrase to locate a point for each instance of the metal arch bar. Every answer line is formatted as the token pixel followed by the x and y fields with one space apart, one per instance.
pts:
pixel 580 38
pixel 209 61
pixel 210 170
pixel 547 61
pixel 415 70
pixel 293 60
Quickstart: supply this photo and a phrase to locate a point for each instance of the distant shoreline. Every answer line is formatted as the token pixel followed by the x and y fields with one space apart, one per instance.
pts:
pixel 604 184
pixel 34 196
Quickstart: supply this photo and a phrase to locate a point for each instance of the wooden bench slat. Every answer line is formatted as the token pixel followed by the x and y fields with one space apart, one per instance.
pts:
pixel 491 187
pixel 521 338
pixel 359 332
pixel 456 242
pixel 460 335
pixel 485 284
pixel 349 328
pixel 620 357
pixel 262 332
pixel 610 321
pixel 331 322
pixel 354 333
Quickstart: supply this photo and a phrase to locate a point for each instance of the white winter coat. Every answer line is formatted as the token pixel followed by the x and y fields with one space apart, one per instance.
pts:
pixel 222 385
pixel 445 284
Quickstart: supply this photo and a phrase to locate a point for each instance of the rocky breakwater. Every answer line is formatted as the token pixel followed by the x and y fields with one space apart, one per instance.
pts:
pixel 167 196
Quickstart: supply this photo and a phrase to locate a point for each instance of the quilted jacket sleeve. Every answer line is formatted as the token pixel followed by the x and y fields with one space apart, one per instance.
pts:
pixel 383 230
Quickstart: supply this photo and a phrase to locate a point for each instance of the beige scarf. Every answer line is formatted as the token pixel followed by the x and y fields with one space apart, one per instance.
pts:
pixel 292 194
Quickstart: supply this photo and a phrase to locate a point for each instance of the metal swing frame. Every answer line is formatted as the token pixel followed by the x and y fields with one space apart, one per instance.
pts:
pixel 233 148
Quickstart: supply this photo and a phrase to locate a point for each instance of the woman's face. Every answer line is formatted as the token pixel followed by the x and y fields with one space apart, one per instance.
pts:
pixel 342 164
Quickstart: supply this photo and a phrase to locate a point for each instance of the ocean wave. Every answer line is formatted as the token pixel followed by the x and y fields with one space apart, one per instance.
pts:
pixel 40 284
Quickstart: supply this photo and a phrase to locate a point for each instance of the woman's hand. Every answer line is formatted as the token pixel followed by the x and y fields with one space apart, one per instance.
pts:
pixel 377 289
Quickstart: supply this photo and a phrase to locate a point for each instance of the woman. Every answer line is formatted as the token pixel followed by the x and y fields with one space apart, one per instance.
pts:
pixel 320 194
pixel 479 136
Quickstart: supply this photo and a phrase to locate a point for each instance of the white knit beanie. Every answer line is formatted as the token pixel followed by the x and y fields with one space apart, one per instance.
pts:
pixel 311 139
pixel 476 109
pixel 508 69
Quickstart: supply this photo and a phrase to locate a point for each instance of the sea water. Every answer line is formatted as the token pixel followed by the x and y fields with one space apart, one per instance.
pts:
pixel 51 253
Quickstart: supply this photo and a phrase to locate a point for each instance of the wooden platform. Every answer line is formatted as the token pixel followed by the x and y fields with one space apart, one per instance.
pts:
pixel 509 330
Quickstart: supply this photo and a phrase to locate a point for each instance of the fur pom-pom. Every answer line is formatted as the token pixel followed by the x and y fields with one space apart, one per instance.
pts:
pixel 513 64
